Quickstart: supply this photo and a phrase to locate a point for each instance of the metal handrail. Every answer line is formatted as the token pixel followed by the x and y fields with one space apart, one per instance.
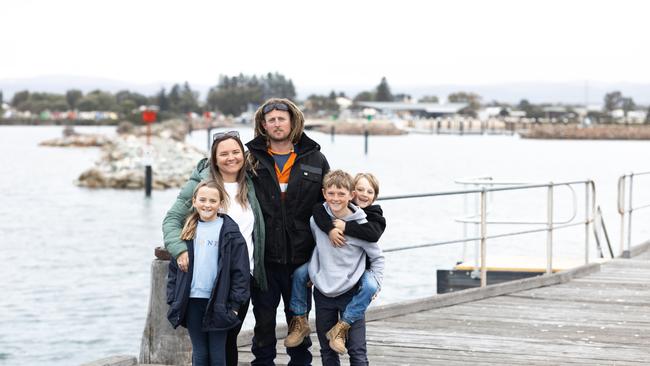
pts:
pixel 623 211
pixel 599 220
pixel 590 207
pixel 467 220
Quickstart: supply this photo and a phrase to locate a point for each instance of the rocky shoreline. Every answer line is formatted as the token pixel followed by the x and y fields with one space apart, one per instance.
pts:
pixel 598 132
pixel 124 156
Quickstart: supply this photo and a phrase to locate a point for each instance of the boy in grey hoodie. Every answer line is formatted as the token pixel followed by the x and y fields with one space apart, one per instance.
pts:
pixel 335 272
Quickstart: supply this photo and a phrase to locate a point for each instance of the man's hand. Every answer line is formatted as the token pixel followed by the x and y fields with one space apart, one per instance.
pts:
pixel 183 261
pixel 336 237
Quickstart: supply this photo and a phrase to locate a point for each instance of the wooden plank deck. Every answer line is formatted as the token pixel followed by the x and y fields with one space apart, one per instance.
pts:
pixel 602 318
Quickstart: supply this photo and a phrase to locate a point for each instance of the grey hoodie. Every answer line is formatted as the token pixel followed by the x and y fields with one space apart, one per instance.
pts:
pixel 335 270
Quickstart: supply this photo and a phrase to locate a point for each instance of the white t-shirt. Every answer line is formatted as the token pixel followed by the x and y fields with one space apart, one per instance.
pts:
pixel 243 216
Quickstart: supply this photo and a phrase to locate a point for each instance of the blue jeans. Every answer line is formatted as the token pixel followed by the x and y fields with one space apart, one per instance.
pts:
pixel 356 308
pixel 327 314
pixel 300 303
pixel 232 354
pixel 208 348
pixel 265 306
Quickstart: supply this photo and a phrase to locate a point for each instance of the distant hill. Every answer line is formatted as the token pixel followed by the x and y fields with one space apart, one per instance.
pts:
pixel 573 92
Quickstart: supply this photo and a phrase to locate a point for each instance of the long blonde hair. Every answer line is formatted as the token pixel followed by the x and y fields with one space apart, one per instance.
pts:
pixel 242 192
pixel 189 229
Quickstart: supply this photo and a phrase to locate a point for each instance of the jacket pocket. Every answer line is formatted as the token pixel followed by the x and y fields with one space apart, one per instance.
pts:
pixel 311 173
pixel 222 318
pixel 311 182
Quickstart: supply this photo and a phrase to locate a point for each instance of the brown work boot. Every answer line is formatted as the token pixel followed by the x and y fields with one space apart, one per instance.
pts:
pixel 337 336
pixel 298 330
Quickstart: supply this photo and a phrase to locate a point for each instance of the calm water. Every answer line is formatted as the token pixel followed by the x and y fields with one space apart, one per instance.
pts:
pixel 75 269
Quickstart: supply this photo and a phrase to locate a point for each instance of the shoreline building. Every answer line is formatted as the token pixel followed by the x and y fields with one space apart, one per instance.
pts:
pixel 415 110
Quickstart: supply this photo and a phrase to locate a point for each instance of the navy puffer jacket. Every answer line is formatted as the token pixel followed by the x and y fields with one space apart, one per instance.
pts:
pixel 231 286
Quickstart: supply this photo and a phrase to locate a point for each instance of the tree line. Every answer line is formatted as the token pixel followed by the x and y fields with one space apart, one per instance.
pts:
pixel 232 95
pixel 236 94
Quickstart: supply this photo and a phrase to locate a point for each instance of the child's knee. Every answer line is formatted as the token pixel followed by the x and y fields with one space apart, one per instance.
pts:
pixel 369 284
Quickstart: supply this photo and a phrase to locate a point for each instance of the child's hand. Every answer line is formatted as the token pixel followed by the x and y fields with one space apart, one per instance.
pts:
pixel 339 224
pixel 336 237
pixel 183 261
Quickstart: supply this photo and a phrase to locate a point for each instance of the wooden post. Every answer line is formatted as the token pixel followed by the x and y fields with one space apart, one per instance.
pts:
pixel 365 141
pixel 162 344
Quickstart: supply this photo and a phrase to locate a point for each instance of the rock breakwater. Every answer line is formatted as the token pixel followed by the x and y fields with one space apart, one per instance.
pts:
pixel 122 163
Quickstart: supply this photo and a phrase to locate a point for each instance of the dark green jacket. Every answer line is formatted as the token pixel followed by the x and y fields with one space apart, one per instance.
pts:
pixel 175 219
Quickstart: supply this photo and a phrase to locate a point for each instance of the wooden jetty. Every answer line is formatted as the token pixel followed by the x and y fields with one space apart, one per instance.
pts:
pixel 597 314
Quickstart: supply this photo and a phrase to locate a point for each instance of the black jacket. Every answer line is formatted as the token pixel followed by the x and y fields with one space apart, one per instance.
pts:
pixel 370 231
pixel 288 236
pixel 231 287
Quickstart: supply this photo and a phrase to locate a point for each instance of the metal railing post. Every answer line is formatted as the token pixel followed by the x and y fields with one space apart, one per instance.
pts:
pixel 477 233
pixel 549 233
pixel 465 225
pixel 483 239
pixel 626 254
pixel 621 209
pixel 587 220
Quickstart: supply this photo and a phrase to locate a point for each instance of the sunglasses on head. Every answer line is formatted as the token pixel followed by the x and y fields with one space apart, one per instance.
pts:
pixel 279 106
pixel 223 135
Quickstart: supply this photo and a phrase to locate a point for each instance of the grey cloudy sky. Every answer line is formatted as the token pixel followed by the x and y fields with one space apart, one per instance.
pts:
pixel 331 42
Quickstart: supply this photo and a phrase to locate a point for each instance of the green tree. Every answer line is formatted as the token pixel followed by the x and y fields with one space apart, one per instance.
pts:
pixel 72 96
pixel 613 101
pixel 87 104
pixel 188 99
pixel 627 104
pixel 38 102
pixel 429 99
pixel 383 93
pixel 105 100
pixel 233 95
pixel 532 111
pixel 20 98
pixel 137 98
pixel 364 96
pixel 276 85
pixel 473 102
pixel 174 98
pixel 128 107
pixel 321 104
pixel 162 101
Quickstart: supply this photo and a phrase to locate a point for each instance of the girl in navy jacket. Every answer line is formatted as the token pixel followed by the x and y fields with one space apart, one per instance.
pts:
pixel 205 298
